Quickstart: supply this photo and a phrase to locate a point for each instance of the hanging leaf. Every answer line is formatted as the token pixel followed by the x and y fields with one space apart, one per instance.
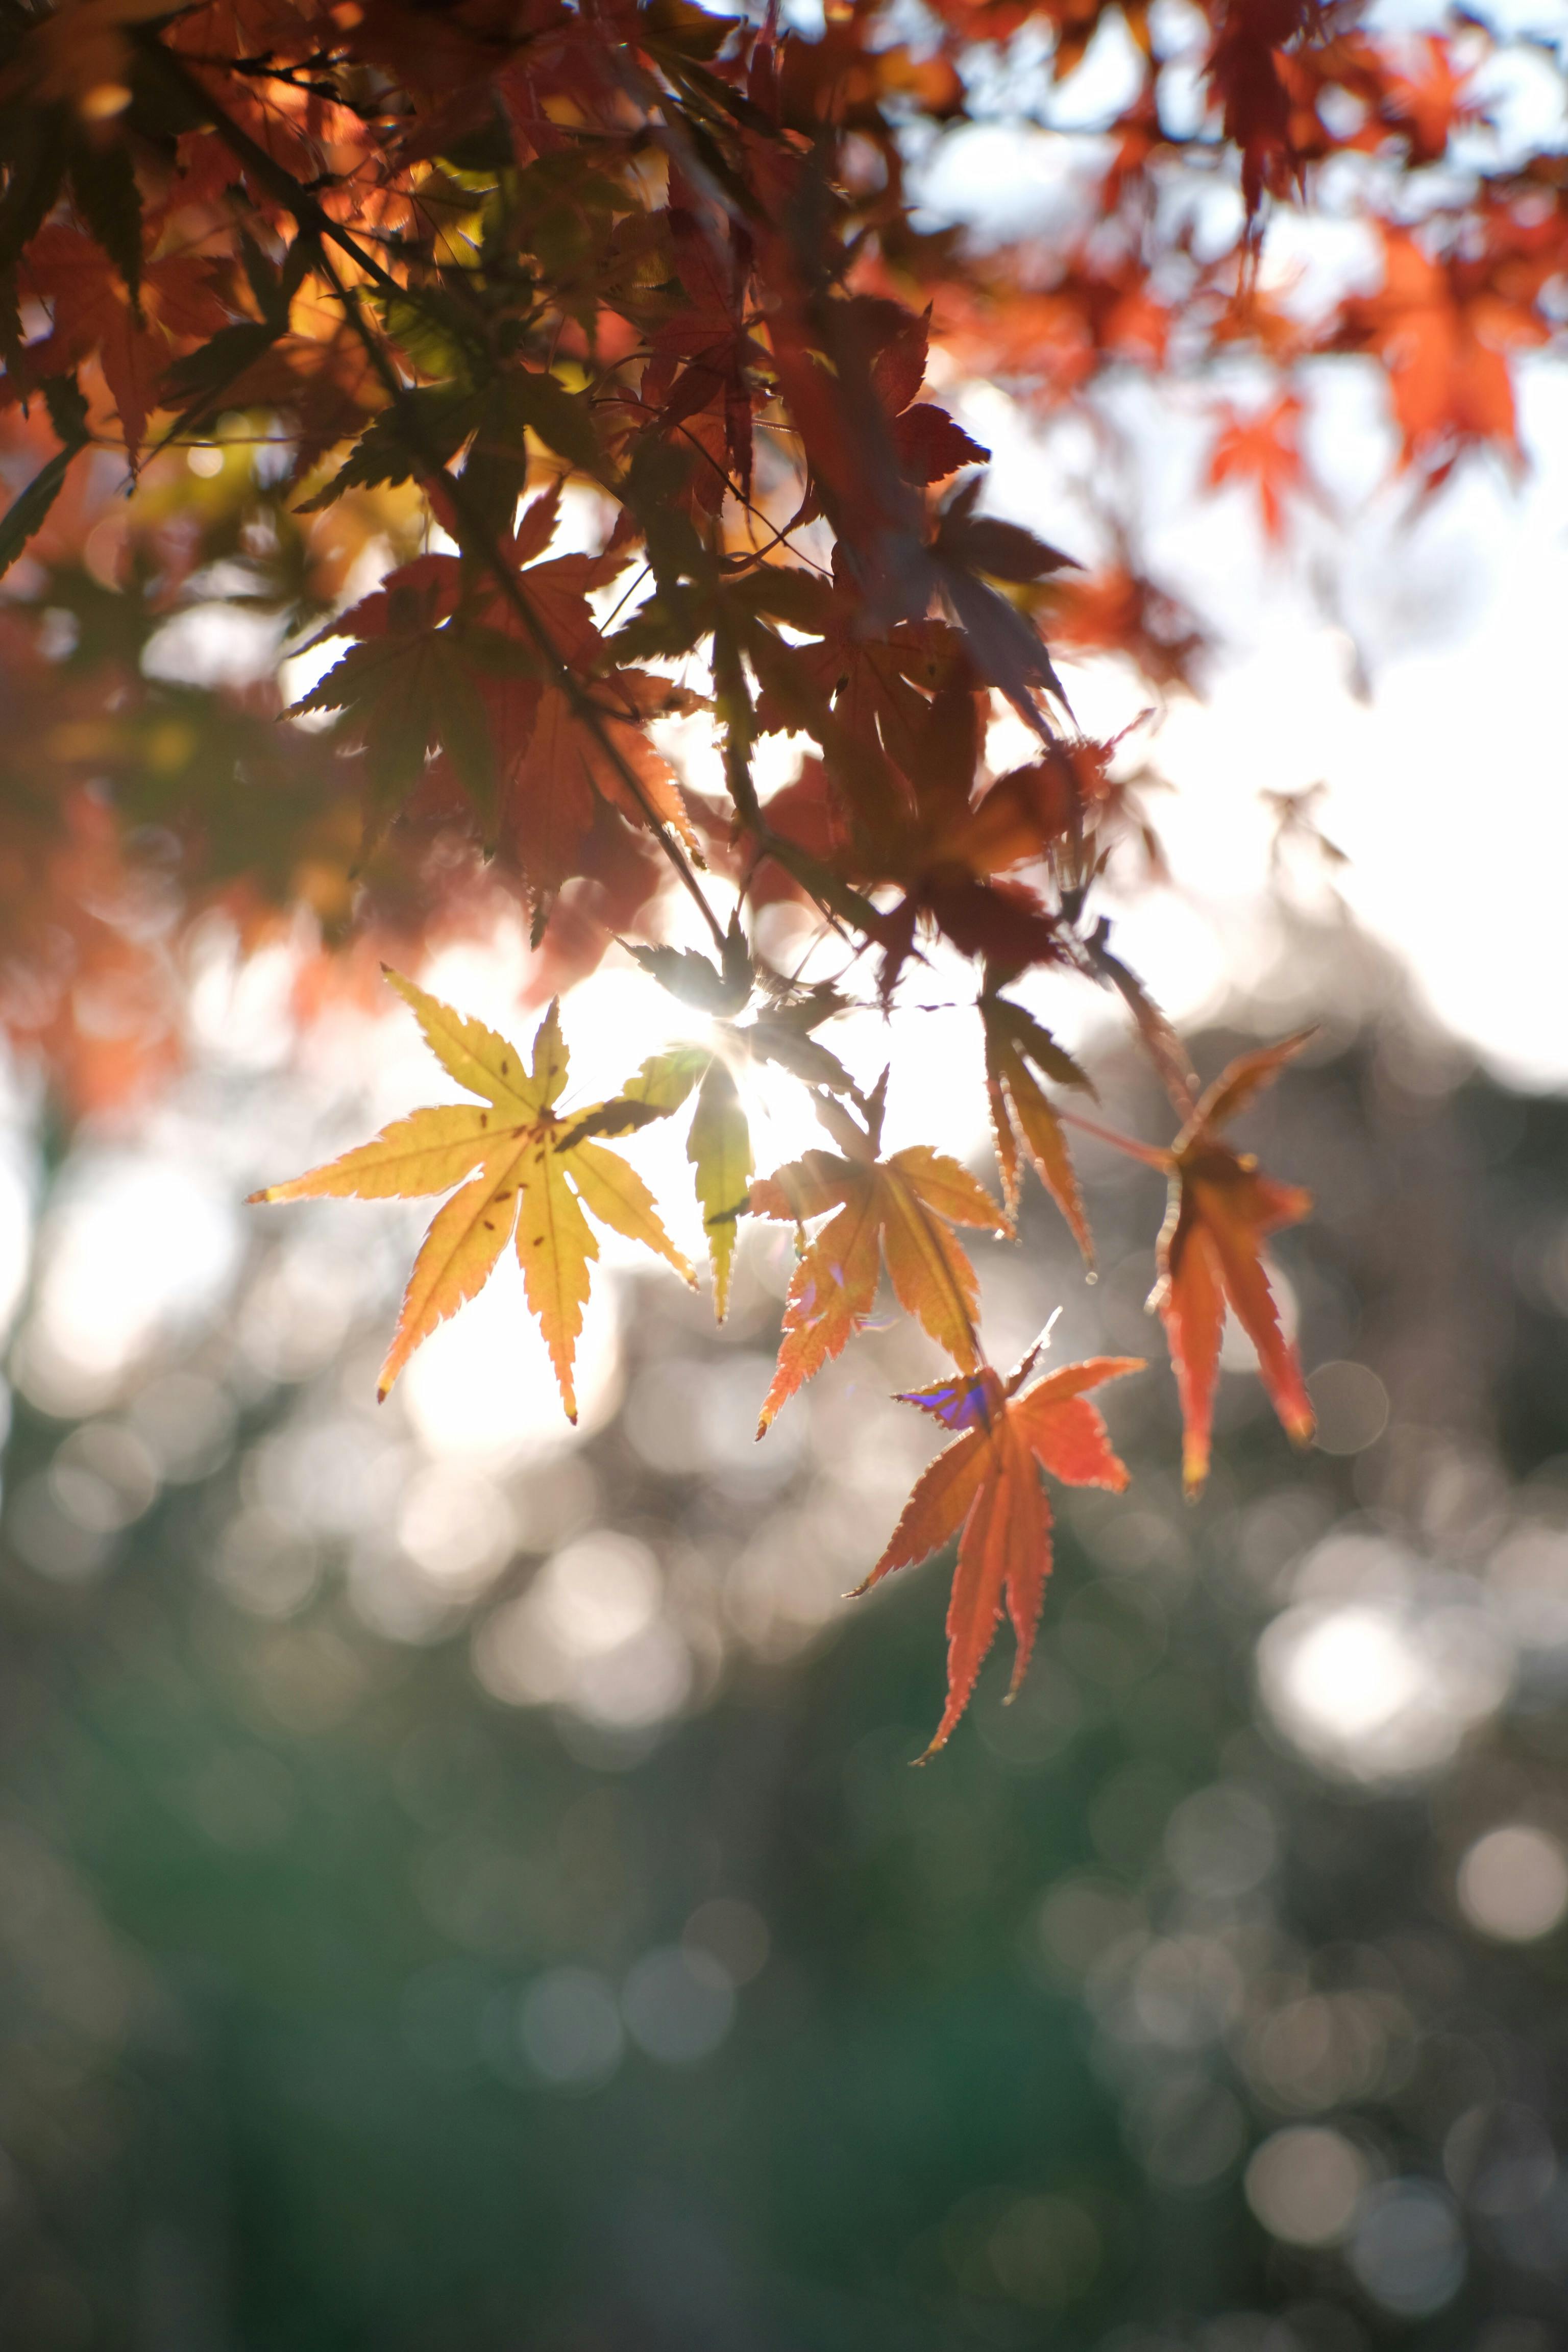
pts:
pixel 985 1489
pixel 1210 1256
pixel 1022 1119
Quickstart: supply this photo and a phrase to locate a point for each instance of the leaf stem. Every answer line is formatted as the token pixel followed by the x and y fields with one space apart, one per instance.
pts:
pixel 1146 1152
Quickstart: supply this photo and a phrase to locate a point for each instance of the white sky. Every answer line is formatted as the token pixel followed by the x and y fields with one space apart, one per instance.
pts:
pixel 1448 789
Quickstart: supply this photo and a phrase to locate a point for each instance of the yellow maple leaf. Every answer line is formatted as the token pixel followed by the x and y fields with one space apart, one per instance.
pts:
pixel 523 1170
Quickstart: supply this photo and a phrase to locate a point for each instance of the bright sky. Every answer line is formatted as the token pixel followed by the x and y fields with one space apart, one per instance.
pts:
pixel 1448 788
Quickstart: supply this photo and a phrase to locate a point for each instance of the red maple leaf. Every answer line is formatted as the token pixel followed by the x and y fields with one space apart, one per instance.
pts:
pixel 93 310
pixel 1263 450
pixel 987 1485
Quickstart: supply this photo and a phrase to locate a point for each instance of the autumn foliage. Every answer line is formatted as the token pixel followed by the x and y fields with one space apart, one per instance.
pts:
pixel 540 376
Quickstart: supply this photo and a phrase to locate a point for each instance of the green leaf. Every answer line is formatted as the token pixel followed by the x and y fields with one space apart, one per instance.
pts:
pixel 719 1148
pixel 666 1079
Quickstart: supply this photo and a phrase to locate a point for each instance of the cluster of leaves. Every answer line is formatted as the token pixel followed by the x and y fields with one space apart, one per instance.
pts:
pixel 372 291
pixel 525 1171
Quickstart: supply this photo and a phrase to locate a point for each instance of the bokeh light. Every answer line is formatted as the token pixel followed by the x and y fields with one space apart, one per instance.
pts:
pixel 1513 1883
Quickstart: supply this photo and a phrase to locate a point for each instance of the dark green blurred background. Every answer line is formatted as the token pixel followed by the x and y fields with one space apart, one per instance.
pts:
pixel 480 1905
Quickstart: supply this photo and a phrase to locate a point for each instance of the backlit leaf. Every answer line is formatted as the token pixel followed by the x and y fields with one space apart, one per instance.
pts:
pixel 1210 1257
pixel 531 1178
pixel 719 1148
pixel 986 1490
pixel 903 1209
pixel 1022 1118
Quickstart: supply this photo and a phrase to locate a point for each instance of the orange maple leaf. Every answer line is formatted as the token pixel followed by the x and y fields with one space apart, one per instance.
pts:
pixel 567 764
pixel 135 337
pixel 522 1168
pixel 1432 100
pixel 1263 450
pixel 903 1207
pixel 1444 335
pixel 1022 1119
pixel 988 1485
pixel 1209 1255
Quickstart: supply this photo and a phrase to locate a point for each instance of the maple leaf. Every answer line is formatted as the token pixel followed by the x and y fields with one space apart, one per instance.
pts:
pixel 1263 450
pixel 1245 70
pixel 926 440
pixel 907 817
pixel 523 1169
pixel 1444 333
pixel 557 246
pixel 410 688
pixel 570 761
pixel 1209 1256
pixel 903 1208
pixel 441 664
pixel 985 1489
pixel 1430 101
pixel 1121 610
pixel 871 682
pixel 1022 1119
pixel 703 354
pixel 929 443
pixel 718 1143
pixel 1006 646
pixel 135 335
pixel 926 443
